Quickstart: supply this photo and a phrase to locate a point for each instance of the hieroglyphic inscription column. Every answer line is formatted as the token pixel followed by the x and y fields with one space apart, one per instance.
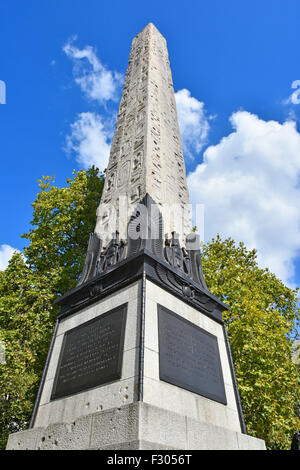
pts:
pixel 146 152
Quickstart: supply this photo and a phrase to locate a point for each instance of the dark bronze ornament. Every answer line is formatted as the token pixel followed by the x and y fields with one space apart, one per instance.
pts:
pixel 176 268
pixel 173 253
pixel 94 247
pixel 112 254
pixel 145 232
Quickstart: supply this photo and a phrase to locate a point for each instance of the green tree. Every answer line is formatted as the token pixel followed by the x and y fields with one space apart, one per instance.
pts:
pixel 26 323
pixel 62 221
pixel 261 323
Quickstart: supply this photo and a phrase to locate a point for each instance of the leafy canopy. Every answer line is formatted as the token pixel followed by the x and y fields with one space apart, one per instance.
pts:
pixel 62 221
pixel 26 323
pixel 262 322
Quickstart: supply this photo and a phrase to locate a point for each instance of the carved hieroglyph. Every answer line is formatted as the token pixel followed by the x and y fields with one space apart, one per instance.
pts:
pixel 146 152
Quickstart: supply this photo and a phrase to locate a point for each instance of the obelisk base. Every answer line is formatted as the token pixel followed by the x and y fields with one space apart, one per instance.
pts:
pixel 137 426
pixel 139 360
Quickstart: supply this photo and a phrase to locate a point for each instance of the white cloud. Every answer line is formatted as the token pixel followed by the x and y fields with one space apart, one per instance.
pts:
pixel 250 186
pixel 90 135
pixel 90 139
pixel 193 122
pixel 6 252
pixel 95 80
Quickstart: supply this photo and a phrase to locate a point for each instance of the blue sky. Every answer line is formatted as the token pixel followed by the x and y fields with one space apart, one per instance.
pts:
pixel 233 65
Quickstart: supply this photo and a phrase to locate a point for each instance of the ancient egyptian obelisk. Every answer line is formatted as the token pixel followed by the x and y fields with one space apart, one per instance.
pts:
pixel 146 153
pixel 140 358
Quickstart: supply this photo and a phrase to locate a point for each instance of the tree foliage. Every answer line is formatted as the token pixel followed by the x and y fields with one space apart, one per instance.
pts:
pixel 261 323
pixel 62 221
pixel 26 322
pixel 63 218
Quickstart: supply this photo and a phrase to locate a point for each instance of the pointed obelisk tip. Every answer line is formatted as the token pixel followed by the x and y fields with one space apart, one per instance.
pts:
pixel 151 25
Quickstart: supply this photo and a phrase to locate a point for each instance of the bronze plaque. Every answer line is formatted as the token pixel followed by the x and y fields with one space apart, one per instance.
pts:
pixel 91 354
pixel 189 356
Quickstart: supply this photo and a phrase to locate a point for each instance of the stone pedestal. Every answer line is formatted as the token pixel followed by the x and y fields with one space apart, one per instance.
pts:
pixel 147 406
pixel 138 426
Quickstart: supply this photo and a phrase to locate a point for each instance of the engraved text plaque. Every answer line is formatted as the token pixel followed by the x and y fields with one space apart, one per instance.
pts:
pixel 189 356
pixel 91 354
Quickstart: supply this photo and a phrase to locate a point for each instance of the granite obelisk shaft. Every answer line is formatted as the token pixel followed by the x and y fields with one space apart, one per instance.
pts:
pixel 146 152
